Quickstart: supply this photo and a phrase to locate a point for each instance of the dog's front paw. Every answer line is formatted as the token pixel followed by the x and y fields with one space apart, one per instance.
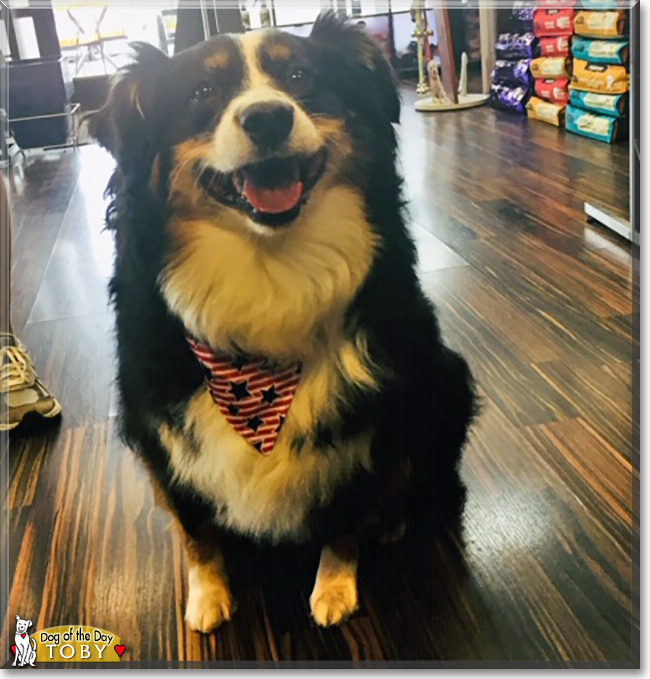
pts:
pixel 209 604
pixel 334 600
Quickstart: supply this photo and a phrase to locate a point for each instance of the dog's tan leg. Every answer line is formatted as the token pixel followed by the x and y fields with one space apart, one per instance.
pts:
pixel 209 602
pixel 334 597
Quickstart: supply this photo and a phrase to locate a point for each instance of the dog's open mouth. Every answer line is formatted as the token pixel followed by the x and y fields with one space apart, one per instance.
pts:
pixel 271 192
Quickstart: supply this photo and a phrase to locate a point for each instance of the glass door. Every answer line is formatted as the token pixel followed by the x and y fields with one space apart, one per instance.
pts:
pixel 94 36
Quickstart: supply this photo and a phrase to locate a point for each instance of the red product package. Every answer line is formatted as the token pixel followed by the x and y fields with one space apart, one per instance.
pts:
pixel 553 22
pixel 555 90
pixel 557 46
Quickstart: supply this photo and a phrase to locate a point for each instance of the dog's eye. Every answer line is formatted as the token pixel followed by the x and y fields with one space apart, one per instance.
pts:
pixel 201 93
pixel 299 82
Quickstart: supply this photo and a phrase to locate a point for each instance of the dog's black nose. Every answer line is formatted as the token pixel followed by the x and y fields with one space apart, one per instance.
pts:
pixel 267 124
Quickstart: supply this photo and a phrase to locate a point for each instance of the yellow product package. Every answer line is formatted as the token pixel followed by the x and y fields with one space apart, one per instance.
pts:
pixel 605 78
pixel 538 109
pixel 599 24
pixel 550 67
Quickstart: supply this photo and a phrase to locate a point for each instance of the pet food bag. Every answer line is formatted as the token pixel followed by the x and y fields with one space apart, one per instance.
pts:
pixel 599 24
pixel 599 77
pixel 515 46
pixel 602 128
pixel 522 12
pixel 553 22
pixel 508 98
pixel 554 90
pixel 512 72
pixel 601 51
pixel 605 104
pixel 547 112
pixel 550 67
pixel 557 46
pixel 599 4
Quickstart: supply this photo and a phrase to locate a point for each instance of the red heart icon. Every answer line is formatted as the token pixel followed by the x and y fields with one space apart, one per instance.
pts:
pixel 119 649
pixel 23 635
pixel 13 649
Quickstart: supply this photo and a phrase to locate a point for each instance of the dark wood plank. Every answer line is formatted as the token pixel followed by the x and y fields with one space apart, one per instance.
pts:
pixel 602 395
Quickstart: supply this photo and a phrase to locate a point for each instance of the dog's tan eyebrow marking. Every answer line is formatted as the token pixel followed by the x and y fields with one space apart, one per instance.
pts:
pixel 278 51
pixel 219 59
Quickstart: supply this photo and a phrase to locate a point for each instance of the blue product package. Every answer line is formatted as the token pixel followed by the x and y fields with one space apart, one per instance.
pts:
pixel 600 51
pixel 602 128
pixel 606 104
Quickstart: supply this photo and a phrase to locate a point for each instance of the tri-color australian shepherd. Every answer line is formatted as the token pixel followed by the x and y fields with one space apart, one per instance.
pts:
pixel 280 368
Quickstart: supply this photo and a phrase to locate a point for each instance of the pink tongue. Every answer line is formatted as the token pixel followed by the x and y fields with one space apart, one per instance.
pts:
pixel 273 201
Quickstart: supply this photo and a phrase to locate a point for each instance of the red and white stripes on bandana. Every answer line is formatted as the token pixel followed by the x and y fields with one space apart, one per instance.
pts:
pixel 253 394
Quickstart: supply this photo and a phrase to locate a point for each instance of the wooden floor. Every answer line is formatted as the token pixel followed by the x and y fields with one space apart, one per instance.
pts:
pixel 542 304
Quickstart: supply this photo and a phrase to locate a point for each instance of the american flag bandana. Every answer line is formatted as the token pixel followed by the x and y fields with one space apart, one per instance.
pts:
pixel 253 394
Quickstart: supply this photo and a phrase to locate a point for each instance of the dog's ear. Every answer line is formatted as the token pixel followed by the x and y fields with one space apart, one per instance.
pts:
pixel 368 76
pixel 29 623
pixel 124 125
pixel 17 617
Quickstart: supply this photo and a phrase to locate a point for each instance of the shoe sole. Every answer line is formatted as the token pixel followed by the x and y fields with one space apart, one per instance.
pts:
pixel 53 412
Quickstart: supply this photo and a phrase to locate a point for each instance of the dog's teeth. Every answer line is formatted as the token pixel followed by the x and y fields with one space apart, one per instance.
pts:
pixel 238 181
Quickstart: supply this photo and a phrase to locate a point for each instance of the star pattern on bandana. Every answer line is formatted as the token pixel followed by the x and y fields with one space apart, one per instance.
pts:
pixel 269 395
pixel 253 394
pixel 239 390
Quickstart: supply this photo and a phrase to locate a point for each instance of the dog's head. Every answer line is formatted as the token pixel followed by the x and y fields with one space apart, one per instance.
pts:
pixel 260 151
pixel 22 625
pixel 250 124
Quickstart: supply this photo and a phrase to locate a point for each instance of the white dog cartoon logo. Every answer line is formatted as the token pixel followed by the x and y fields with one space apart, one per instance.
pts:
pixel 25 652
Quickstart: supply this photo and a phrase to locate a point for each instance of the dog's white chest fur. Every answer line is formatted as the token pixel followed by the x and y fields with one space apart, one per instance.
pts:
pixel 265 496
pixel 283 298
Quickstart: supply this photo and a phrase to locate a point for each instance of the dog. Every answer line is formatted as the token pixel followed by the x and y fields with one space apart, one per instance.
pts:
pixel 25 651
pixel 281 371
